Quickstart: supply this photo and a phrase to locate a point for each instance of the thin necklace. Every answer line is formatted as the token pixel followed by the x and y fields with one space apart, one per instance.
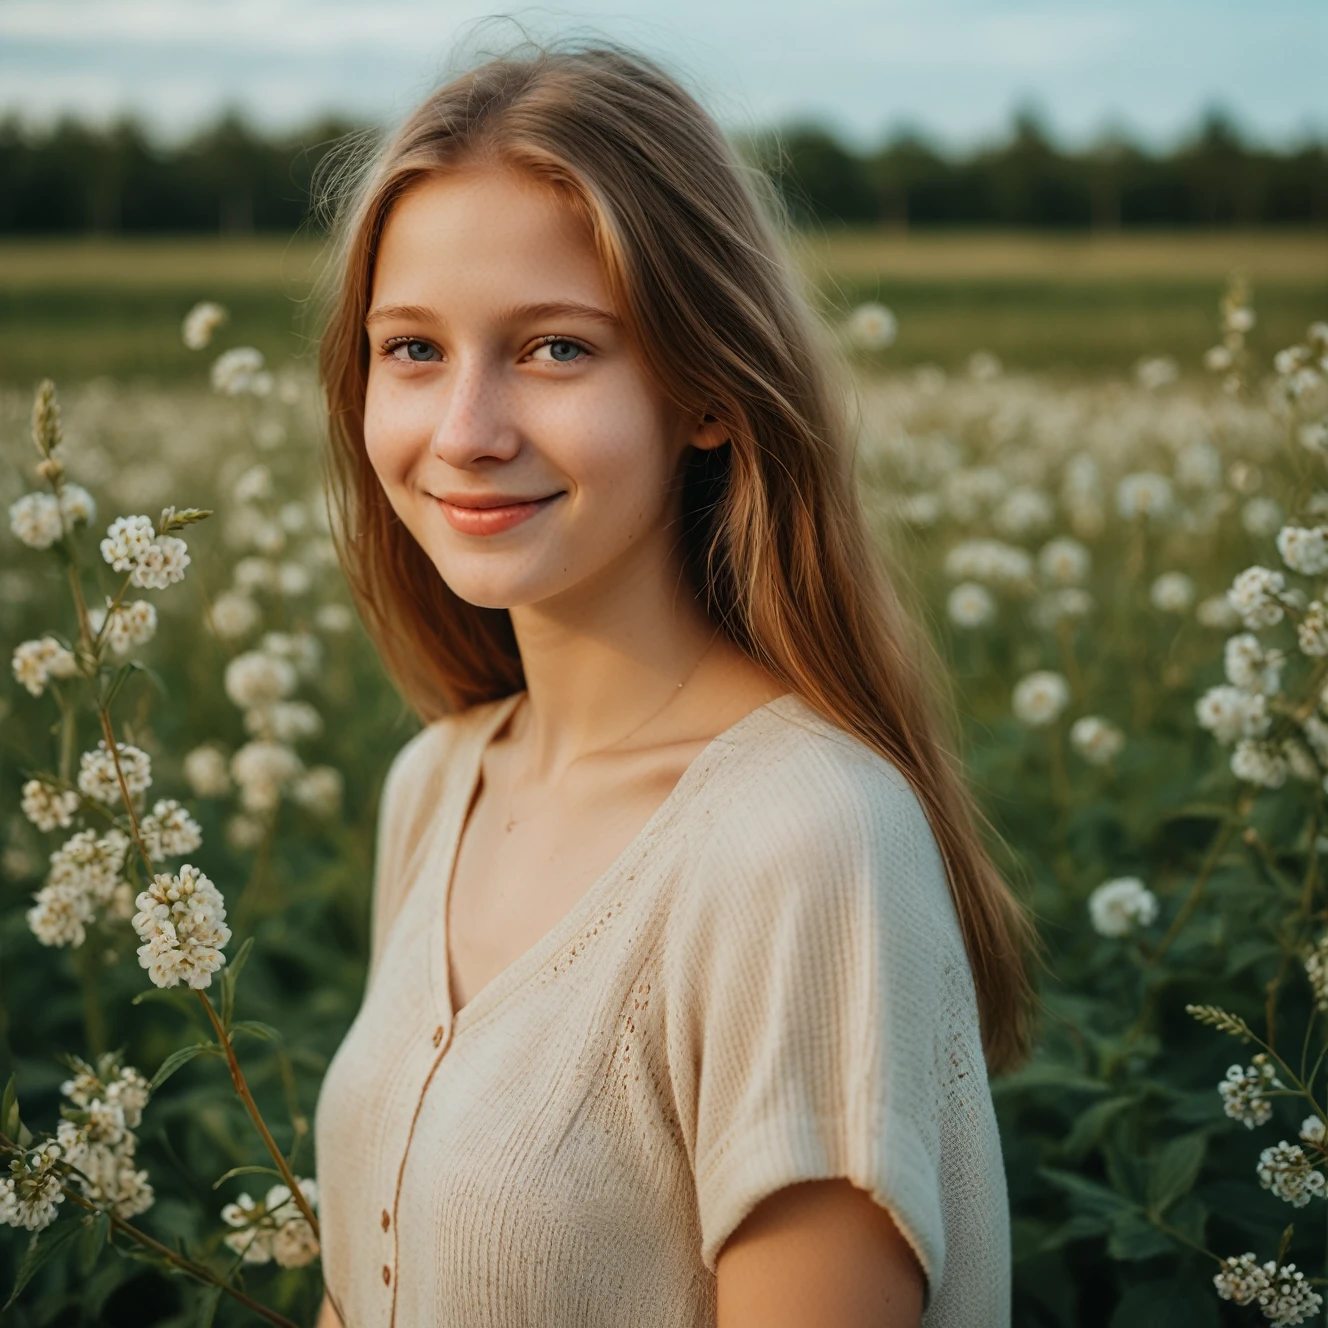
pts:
pixel 654 714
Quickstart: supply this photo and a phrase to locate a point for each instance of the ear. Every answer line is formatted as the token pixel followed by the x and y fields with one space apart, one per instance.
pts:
pixel 709 433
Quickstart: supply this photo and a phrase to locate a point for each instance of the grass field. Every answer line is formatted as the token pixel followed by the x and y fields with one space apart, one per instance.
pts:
pixel 78 309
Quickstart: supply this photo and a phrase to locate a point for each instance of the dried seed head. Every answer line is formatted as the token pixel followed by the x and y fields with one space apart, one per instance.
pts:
pixel 46 419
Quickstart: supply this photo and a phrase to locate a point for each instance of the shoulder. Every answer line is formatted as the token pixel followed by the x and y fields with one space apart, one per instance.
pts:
pixel 794 789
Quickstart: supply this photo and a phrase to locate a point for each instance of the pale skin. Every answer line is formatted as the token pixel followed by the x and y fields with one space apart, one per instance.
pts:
pixel 500 374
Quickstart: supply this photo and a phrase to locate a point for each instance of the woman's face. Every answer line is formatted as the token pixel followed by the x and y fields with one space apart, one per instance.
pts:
pixel 511 425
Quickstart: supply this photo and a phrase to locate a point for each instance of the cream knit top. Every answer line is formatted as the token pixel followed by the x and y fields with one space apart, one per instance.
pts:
pixel 767 986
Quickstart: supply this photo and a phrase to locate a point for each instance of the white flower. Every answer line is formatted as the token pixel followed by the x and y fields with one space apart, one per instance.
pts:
pixel 1288 1173
pixel 48 807
pixel 1199 466
pixel 253 1240
pixel 90 864
pixel 206 770
pixel 1096 739
pixel 1288 1297
pixel 284 721
pixel 257 678
pixel 1250 666
pixel 1064 562
pixel 77 505
pixel 1259 763
pixel 1316 970
pixel 873 326
pixel 1155 371
pixel 984 366
pixel 1304 549
pixel 275 1229
pixel 131 624
pixel 1216 612
pixel 127 541
pixel 970 605
pixel 1313 1130
pixel 261 769
pixel 181 920
pixel 1172 592
pixel 1040 697
pixel 1238 318
pixel 37 662
pixel 31 1191
pixel 318 790
pixel 1242 1278
pixel 1067 602
pixel 303 649
pixel 989 560
pixel 162 565
pixel 293 580
pixel 1261 517
pixel 1300 764
pixel 1243 1091
pixel 35 520
pixel 244 832
pixel 254 573
pixel 201 322
pixel 170 832
pixel 1217 359
pixel 1229 713
pixel 1143 494
pixel 1024 511
pixel 1312 630
pixel 1256 595
pixel 240 370
pixel 1116 907
pixel 97 777
pixel 60 914
pixel 334 618
pixel 153 562
pixel 234 614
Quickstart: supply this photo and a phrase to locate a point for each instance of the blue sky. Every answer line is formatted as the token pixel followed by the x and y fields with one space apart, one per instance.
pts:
pixel 954 68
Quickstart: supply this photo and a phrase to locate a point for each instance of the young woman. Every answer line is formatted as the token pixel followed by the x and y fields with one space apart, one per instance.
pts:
pixel 687 964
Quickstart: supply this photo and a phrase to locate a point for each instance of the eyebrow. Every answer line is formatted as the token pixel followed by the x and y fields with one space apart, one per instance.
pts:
pixel 520 313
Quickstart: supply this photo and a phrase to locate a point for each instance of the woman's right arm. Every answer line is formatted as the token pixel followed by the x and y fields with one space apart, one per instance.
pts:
pixel 328 1317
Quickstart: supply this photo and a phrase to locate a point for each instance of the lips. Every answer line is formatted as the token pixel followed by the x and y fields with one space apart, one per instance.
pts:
pixel 491 515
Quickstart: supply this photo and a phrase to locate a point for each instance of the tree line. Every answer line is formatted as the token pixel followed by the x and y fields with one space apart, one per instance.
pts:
pixel 77 178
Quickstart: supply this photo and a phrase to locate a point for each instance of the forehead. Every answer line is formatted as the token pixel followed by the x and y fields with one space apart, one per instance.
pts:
pixel 486 235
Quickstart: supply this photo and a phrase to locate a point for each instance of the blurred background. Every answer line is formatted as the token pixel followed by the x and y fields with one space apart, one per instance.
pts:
pixel 1066 185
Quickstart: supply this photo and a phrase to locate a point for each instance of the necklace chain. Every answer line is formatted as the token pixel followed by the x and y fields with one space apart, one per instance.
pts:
pixel 618 742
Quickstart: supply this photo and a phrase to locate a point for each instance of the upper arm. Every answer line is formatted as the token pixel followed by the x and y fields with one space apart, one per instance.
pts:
pixel 819 1252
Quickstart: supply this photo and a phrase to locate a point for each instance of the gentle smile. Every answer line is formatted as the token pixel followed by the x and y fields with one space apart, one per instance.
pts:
pixel 491 515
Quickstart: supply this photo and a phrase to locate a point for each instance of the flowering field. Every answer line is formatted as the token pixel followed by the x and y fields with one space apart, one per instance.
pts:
pixel 1126 576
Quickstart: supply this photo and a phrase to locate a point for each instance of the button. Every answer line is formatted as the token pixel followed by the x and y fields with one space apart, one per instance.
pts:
pixel 437 1035
pixel 387 1221
pixel 387 1275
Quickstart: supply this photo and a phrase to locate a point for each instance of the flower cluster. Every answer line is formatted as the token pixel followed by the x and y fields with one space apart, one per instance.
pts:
pixel 201 322
pixel 97 777
pixel 152 561
pixel 181 921
pixel 275 1229
pixel 1117 907
pixel 170 831
pixel 96 1135
pixel 1288 1173
pixel 37 662
pixel 1281 1292
pixel 47 806
pixel 129 625
pixel 31 1191
pixel 1244 1091
pixel 85 878
pixel 1040 698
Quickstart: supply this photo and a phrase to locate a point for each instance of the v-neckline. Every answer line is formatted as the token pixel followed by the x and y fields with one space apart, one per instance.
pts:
pixel 445 851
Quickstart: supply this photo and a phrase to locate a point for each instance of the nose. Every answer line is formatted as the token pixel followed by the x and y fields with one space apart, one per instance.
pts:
pixel 474 422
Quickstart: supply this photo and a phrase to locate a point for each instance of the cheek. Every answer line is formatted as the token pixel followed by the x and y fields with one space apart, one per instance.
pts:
pixel 620 452
pixel 388 435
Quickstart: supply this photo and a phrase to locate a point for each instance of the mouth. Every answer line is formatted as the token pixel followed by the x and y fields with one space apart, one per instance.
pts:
pixel 491 514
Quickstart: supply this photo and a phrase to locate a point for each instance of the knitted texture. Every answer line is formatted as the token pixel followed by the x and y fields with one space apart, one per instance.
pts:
pixel 767 986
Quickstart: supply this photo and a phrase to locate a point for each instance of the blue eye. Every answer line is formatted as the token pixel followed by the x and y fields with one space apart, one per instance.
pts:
pixel 561 350
pixel 417 352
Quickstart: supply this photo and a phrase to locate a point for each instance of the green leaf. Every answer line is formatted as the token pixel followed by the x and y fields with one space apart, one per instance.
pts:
pixel 259 1030
pixel 1089 1196
pixel 246 1171
pixel 1174 1170
pixel 207 1307
pixel 1134 1237
pixel 91 1243
pixel 1167 1304
pixel 9 1117
pixel 229 977
pixel 1088 1129
pixel 40 1248
pixel 181 1057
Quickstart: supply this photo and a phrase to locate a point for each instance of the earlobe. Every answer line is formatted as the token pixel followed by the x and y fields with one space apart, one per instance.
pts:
pixel 710 433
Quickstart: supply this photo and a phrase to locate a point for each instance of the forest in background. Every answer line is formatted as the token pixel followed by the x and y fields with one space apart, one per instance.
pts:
pixel 230 179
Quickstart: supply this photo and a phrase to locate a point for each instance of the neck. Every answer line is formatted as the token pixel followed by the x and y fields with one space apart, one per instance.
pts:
pixel 603 660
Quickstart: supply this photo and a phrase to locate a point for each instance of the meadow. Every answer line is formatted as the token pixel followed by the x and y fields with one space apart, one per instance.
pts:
pixel 1108 501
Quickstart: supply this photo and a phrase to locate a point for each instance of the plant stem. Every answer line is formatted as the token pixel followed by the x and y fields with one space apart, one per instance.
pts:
pixel 242 1088
pixel 198 1270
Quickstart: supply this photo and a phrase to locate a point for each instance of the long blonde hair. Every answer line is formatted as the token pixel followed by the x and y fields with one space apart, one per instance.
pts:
pixel 774 540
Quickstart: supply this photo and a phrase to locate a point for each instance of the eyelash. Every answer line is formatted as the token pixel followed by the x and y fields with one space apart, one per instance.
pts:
pixel 548 340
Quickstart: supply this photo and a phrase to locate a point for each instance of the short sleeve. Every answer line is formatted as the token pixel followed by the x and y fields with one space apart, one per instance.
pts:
pixel 817 990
